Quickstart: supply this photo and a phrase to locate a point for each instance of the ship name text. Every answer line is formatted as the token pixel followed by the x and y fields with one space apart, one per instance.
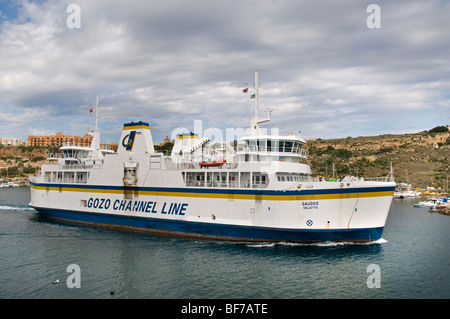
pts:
pixel 138 206
pixel 310 205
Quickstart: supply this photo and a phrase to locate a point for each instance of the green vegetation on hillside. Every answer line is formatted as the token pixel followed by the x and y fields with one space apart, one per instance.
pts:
pixel 421 159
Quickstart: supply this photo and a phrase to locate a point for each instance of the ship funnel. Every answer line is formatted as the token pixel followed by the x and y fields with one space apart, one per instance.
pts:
pixel 136 139
pixel 188 147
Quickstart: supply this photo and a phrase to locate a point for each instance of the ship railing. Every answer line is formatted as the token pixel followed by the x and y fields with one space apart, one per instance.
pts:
pixel 304 153
pixel 76 166
pixel 353 178
pixel 66 180
pixel 379 179
pixel 388 178
pixel 272 151
pixel 54 156
pixel 195 165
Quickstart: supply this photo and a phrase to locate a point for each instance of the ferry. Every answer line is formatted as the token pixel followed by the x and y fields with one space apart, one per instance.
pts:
pixel 261 192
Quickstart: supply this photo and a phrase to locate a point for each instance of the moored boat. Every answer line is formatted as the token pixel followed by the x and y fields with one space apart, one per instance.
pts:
pixel 432 202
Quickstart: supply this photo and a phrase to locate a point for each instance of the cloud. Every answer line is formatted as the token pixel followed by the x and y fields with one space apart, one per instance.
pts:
pixel 322 70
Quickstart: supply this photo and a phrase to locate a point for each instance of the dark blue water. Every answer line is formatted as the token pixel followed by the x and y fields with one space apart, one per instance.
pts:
pixel 413 259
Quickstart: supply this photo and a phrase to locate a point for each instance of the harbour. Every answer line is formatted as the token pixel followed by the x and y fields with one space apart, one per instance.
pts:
pixel 412 256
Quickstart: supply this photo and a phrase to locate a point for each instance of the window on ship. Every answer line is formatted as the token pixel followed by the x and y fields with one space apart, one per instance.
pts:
pixel 225 179
pixel 296 177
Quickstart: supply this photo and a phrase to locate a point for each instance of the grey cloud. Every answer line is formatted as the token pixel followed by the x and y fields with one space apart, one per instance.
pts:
pixel 170 62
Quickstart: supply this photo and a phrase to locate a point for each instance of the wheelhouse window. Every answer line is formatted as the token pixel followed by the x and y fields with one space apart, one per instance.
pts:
pixel 280 146
pixel 288 146
pixel 261 145
pixel 73 153
pixel 252 146
pixel 68 153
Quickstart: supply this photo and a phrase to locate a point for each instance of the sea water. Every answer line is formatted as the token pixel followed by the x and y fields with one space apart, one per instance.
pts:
pixel 37 257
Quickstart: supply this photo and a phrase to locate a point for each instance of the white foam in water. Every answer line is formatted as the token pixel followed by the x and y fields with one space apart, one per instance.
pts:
pixel 321 244
pixel 379 241
pixel 15 208
pixel 261 245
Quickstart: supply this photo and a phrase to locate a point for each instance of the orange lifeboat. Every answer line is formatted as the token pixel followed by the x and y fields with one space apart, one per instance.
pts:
pixel 213 163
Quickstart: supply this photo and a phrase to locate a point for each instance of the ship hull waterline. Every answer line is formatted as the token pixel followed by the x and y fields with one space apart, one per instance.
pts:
pixel 105 206
pixel 212 231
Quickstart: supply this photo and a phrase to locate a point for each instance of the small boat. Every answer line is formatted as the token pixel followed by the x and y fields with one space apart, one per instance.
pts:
pixel 217 163
pixel 432 202
pixel 441 208
pixel 407 194
pixel 398 195
pixel 7 183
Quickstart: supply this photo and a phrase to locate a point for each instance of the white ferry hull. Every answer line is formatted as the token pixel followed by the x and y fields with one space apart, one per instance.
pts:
pixel 349 214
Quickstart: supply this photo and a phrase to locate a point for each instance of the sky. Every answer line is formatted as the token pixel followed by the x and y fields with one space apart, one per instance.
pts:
pixel 322 69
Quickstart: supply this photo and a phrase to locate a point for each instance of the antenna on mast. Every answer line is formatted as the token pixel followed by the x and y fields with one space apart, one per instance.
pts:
pixel 256 120
pixel 96 114
pixel 97 110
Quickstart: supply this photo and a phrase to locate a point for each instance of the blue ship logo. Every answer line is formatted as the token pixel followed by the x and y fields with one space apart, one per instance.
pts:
pixel 129 139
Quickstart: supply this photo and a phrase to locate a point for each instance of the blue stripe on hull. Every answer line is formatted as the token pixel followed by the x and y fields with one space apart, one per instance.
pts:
pixel 211 230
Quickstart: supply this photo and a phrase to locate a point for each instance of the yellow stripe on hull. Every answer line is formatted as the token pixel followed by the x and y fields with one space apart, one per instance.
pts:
pixel 281 197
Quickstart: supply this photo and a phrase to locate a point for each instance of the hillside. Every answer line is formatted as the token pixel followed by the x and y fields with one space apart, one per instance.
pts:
pixel 22 161
pixel 423 156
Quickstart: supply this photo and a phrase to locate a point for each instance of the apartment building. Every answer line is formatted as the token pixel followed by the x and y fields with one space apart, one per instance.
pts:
pixel 59 139
pixel 10 141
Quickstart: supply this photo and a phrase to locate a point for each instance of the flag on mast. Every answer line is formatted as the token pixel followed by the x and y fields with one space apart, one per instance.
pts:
pixel 246 88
